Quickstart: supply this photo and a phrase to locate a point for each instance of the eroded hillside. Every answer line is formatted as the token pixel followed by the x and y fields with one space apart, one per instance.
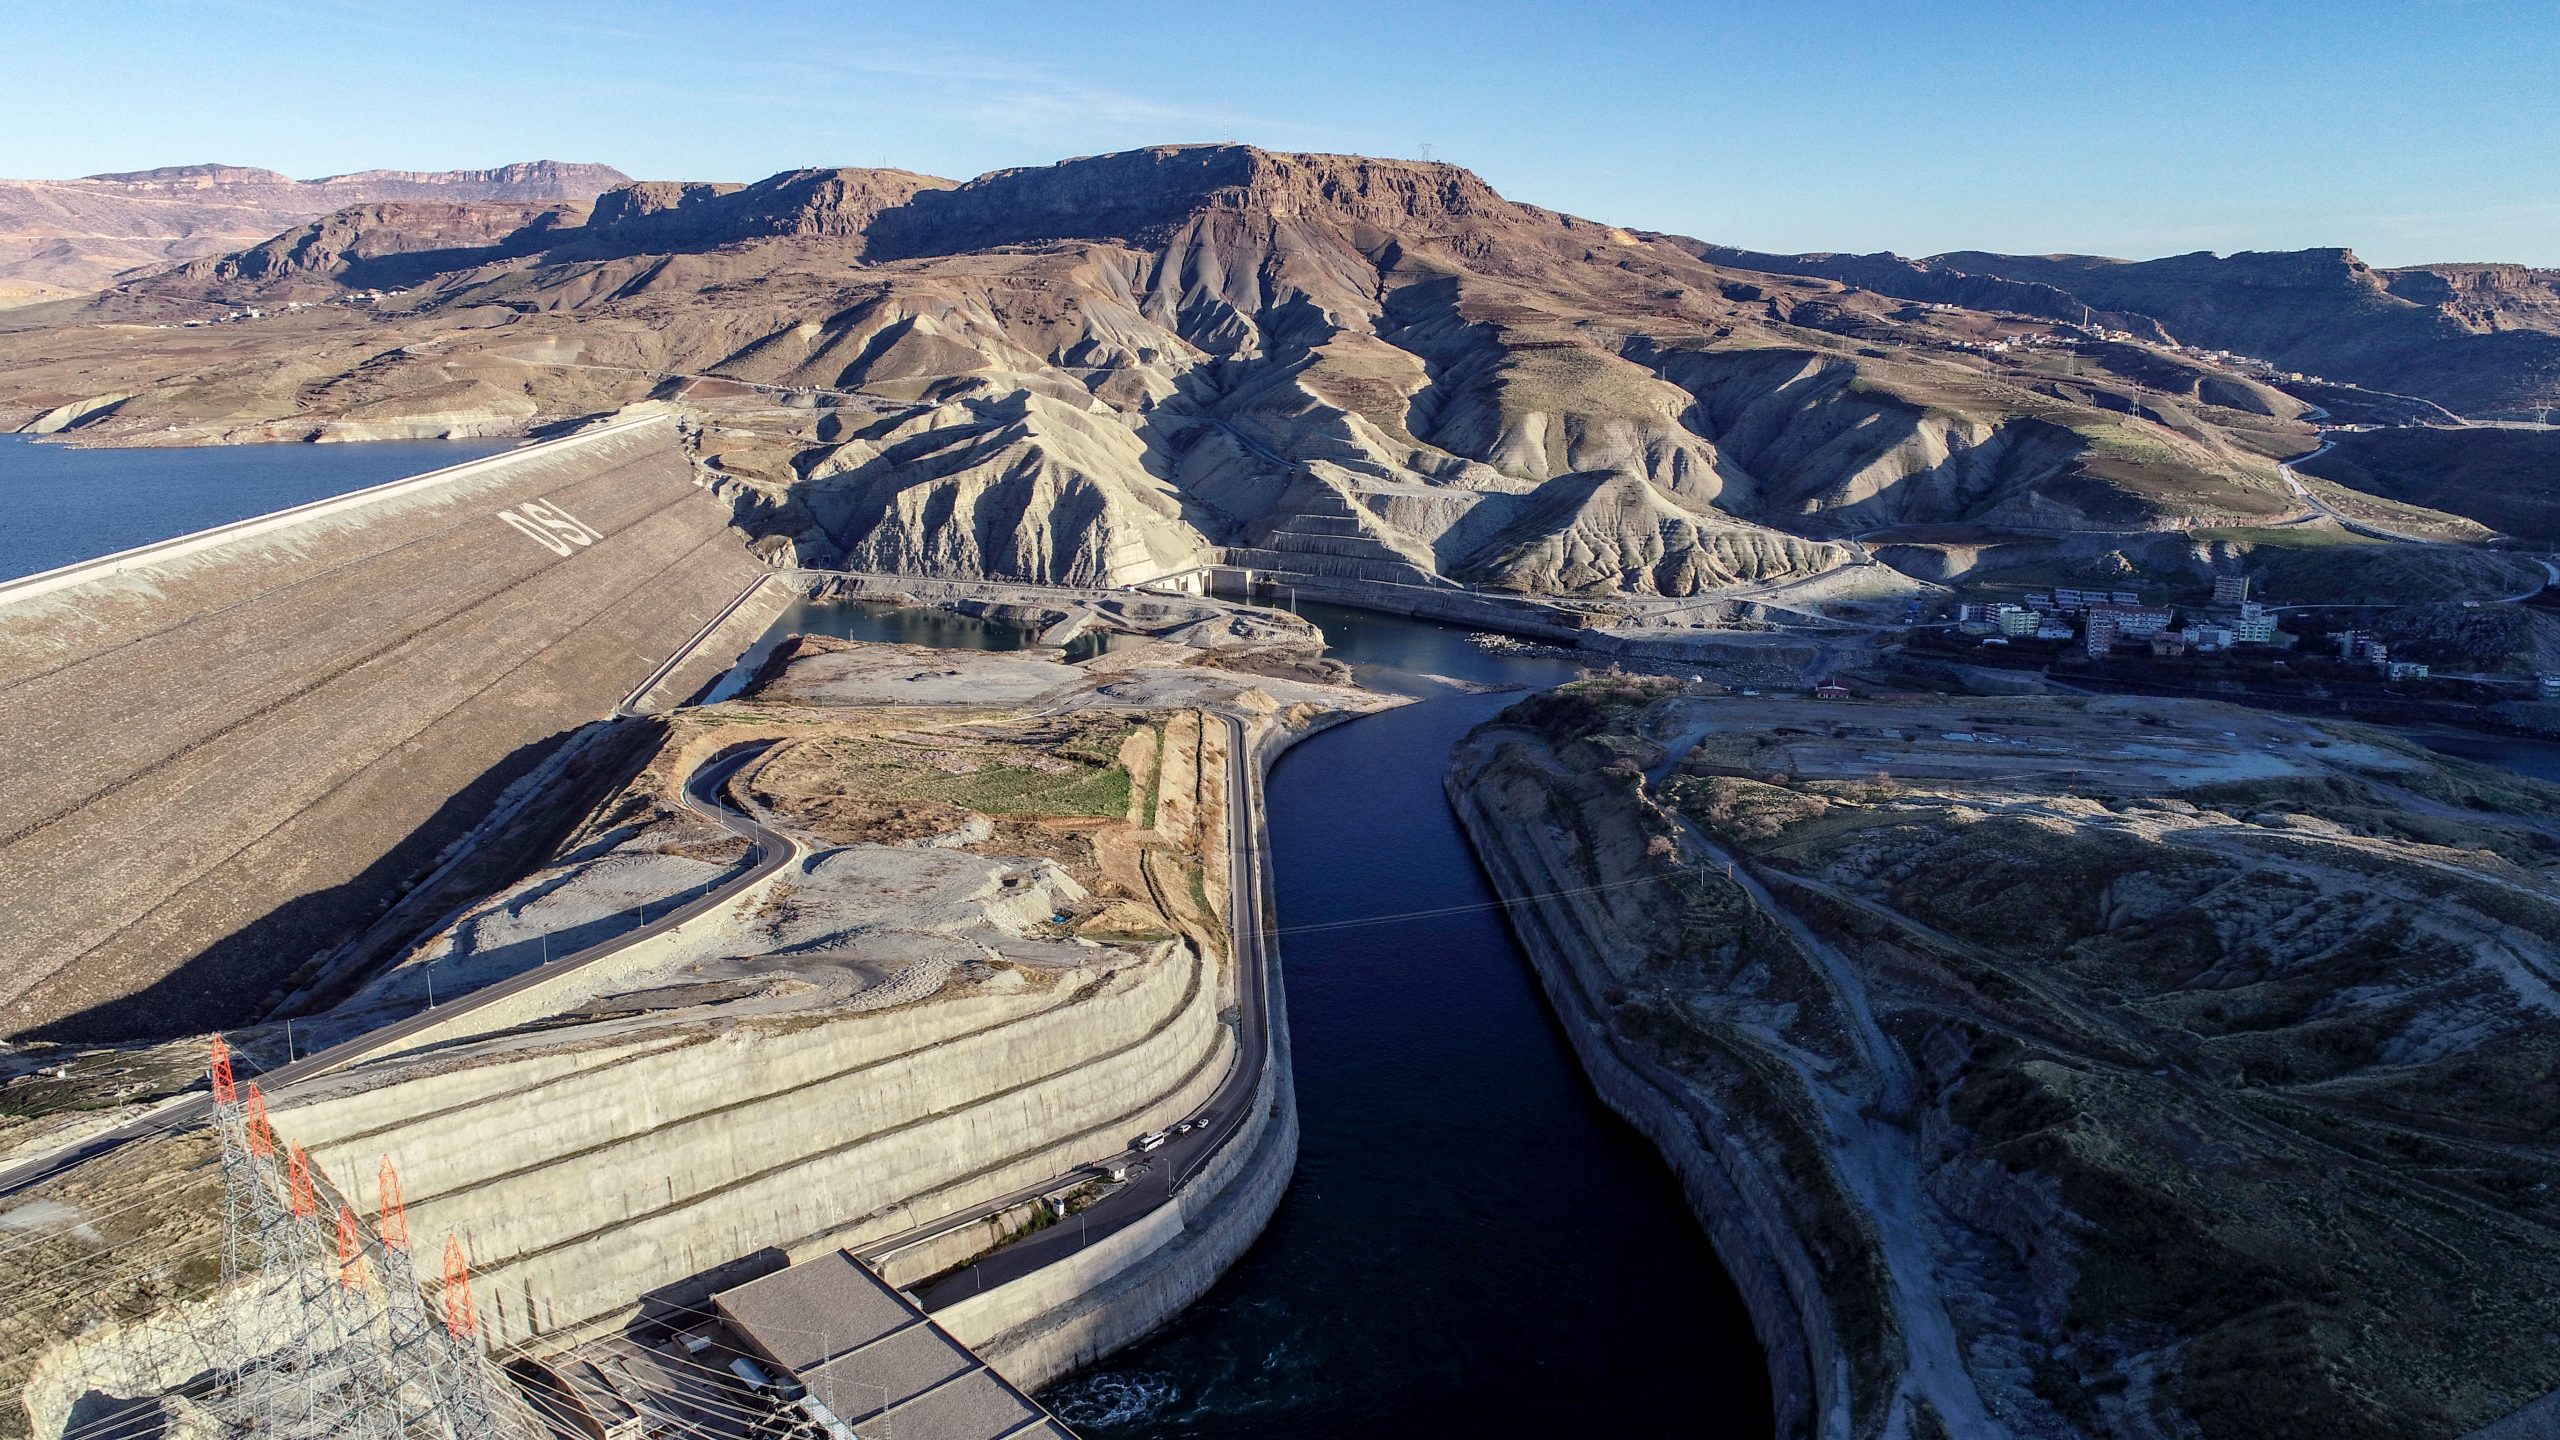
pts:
pixel 61 237
pixel 1112 367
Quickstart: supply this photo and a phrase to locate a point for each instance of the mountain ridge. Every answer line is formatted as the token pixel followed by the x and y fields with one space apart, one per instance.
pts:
pixel 1365 367
pixel 2481 339
pixel 63 237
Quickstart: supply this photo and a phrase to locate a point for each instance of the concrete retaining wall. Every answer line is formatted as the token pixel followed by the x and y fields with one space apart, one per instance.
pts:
pixel 582 1192
pixel 588 1177
pixel 1044 1326
pixel 717 646
pixel 1067 1316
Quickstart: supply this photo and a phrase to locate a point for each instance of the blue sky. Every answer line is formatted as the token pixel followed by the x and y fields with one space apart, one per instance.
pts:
pixel 2412 130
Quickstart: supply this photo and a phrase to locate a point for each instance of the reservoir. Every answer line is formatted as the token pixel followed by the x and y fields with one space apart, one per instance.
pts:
pixel 67 505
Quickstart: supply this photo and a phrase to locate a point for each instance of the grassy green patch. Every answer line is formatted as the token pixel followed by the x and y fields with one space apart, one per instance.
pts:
pixel 1155 781
pixel 1021 790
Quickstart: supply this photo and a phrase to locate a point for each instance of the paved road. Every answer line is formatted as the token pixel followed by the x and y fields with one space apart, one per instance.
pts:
pixel 1218 1120
pixel 701 794
pixel 2303 493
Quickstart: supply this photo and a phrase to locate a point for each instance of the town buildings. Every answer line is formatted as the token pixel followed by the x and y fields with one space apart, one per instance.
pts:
pixel 2111 622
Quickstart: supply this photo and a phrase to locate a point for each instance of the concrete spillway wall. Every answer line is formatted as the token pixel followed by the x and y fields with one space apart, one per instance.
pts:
pixel 1065 1316
pixel 599 1179
pixel 587 1179
pixel 229 751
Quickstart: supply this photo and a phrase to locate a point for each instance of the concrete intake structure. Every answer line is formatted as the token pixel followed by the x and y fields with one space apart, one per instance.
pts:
pixel 231 751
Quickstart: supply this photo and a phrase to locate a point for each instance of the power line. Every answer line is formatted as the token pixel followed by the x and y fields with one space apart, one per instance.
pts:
pixel 1404 916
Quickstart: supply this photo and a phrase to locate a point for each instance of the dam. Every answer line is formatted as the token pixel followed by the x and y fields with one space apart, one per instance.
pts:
pixel 358 681
pixel 551 1277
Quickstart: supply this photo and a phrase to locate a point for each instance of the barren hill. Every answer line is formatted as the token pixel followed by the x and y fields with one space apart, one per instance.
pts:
pixel 1115 366
pixel 2480 340
pixel 61 237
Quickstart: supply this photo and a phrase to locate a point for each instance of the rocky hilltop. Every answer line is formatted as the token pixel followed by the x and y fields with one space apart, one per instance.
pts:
pixel 60 237
pixel 1117 366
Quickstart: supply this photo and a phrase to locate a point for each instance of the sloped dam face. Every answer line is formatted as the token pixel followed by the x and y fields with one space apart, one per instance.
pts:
pixel 357 681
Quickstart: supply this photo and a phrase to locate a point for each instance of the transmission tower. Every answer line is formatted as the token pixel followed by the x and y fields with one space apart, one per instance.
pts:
pixel 335 1338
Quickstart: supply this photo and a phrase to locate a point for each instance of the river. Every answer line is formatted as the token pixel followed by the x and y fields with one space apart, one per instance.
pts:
pixel 2537 759
pixel 1472 1243
pixel 66 505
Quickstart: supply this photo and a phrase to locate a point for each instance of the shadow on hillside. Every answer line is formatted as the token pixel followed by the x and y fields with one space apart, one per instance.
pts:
pixel 382 911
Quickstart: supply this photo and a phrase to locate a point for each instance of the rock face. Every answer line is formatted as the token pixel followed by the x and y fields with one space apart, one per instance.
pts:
pixel 389 244
pixel 60 237
pixel 1117 366
pixel 664 215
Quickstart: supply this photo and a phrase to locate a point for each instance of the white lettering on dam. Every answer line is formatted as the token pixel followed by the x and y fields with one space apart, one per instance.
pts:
pixel 551 527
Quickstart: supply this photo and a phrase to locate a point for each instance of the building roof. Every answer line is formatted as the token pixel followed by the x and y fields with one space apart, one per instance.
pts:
pixel 865 1352
pixel 802 1317
pixel 889 1371
pixel 974 1404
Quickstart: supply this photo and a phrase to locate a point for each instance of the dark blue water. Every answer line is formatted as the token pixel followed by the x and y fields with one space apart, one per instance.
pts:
pixel 897 625
pixel 67 505
pixel 1472 1245
pixel 886 624
pixel 2537 759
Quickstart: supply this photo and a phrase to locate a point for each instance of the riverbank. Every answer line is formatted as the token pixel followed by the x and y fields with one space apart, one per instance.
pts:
pixel 1932 1004
pixel 1726 1187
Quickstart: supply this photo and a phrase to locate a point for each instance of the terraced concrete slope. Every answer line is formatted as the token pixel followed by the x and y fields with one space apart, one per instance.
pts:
pixel 1004 947
pixel 228 752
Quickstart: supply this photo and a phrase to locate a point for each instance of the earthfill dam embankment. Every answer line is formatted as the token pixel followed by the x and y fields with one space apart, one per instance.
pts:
pixel 231 751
